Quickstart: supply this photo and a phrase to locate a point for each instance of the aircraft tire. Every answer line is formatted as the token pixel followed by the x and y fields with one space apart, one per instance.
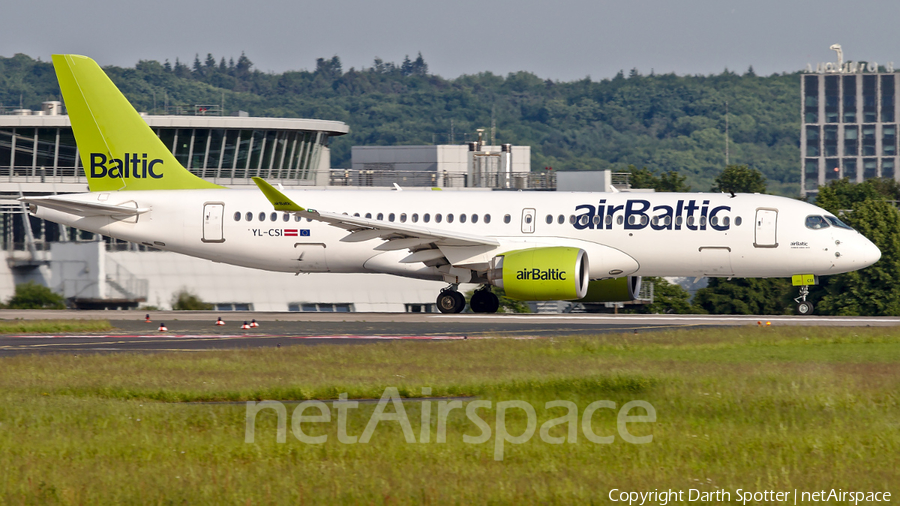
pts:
pixel 451 301
pixel 484 301
pixel 805 308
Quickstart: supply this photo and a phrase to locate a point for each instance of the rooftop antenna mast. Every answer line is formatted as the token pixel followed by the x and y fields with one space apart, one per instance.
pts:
pixel 493 125
pixel 726 133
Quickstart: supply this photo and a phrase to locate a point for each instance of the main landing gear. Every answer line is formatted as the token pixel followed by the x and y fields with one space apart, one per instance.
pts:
pixel 450 300
pixel 803 306
pixel 483 300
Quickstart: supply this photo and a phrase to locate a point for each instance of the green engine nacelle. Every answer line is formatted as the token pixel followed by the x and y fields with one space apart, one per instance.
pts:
pixel 622 289
pixel 554 273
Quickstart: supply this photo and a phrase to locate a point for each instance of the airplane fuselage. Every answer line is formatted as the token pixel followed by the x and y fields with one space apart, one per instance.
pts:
pixel 641 234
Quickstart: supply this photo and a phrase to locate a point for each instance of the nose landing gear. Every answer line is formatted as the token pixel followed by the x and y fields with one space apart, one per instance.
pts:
pixel 803 306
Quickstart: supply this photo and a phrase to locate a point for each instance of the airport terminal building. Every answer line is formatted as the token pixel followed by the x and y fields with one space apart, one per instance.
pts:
pixel 849 123
pixel 39 156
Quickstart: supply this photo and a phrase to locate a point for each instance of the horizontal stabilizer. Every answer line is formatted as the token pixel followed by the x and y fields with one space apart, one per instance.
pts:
pixel 81 208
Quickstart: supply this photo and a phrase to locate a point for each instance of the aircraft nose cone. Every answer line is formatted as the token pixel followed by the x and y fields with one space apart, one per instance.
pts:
pixel 870 252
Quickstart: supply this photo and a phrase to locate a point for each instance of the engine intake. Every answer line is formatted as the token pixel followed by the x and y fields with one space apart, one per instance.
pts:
pixel 552 273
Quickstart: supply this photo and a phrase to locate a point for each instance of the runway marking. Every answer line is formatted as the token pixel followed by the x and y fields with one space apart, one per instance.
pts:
pixel 388 338
pixel 669 319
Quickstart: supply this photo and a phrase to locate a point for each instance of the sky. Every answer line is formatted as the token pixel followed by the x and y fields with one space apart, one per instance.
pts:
pixel 562 40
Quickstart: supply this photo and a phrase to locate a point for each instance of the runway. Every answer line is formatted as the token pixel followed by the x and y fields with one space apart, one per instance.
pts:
pixel 195 331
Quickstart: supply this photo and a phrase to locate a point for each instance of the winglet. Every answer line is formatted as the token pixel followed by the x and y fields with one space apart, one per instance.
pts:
pixel 278 199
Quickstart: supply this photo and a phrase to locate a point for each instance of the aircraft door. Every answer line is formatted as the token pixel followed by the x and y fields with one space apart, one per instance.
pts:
pixel 212 222
pixel 528 221
pixel 766 228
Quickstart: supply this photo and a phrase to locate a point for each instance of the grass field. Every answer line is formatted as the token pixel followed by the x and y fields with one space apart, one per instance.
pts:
pixel 52 326
pixel 750 408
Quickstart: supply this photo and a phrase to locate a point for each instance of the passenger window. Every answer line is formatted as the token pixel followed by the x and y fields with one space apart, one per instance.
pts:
pixel 506 218
pixel 380 216
pixel 426 217
pixel 737 221
pixel 609 219
pixel 249 216
pixel 262 216
pixel 474 218
pixel 561 219
pixel 644 220
pixel 816 222
pixel 403 218
pixel 356 214
pixel 620 220
pixel 714 221
pixel 273 216
pixel 462 218
pixel 678 221
pixel 297 217
pixel 584 219
pixel 668 220
pixel 391 217
pixel 450 218
pixel 632 219
pixel 549 219
pixel 368 216
pixel 237 216
pixel 655 221
pixel 415 218
pixel 287 217
pixel 690 221
pixel 703 221
pixel 487 218
pixel 725 221
pixel 438 218
pixel 572 219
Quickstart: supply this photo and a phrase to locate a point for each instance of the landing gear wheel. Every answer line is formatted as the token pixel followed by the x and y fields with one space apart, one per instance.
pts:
pixel 484 301
pixel 805 308
pixel 451 301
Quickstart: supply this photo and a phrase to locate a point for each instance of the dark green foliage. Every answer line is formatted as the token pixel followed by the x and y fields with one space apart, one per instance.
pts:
pixel 187 301
pixel 873 290
pixel 668 298
pixel 745 296
pixel 669 181
pixel 662 121
pixel 740 179
pixel 31 295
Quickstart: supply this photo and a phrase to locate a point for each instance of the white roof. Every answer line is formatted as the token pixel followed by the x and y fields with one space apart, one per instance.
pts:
pixel 333 128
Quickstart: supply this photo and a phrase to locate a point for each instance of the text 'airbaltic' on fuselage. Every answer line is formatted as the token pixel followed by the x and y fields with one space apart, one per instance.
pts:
pixel 663 217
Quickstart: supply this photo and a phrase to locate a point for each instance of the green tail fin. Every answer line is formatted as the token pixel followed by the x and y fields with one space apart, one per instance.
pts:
pixel 118 150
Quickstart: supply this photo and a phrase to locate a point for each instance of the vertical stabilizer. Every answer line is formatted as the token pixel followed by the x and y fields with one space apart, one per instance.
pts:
pixel 119 151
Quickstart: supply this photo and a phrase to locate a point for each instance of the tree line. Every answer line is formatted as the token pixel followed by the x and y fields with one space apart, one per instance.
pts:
pixel 663 121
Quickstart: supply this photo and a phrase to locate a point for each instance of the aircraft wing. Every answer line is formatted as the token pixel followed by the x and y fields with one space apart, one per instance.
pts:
pixel 82 208
pixel 425 243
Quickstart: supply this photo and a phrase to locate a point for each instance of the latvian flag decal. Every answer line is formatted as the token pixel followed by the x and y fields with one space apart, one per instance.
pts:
pixel 290 232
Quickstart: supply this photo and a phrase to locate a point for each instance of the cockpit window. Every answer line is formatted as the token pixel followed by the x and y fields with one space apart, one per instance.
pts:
pixel 838 223
pixel 816 222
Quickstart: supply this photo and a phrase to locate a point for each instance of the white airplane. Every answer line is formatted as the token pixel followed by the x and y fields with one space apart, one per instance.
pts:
pixel 591 247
